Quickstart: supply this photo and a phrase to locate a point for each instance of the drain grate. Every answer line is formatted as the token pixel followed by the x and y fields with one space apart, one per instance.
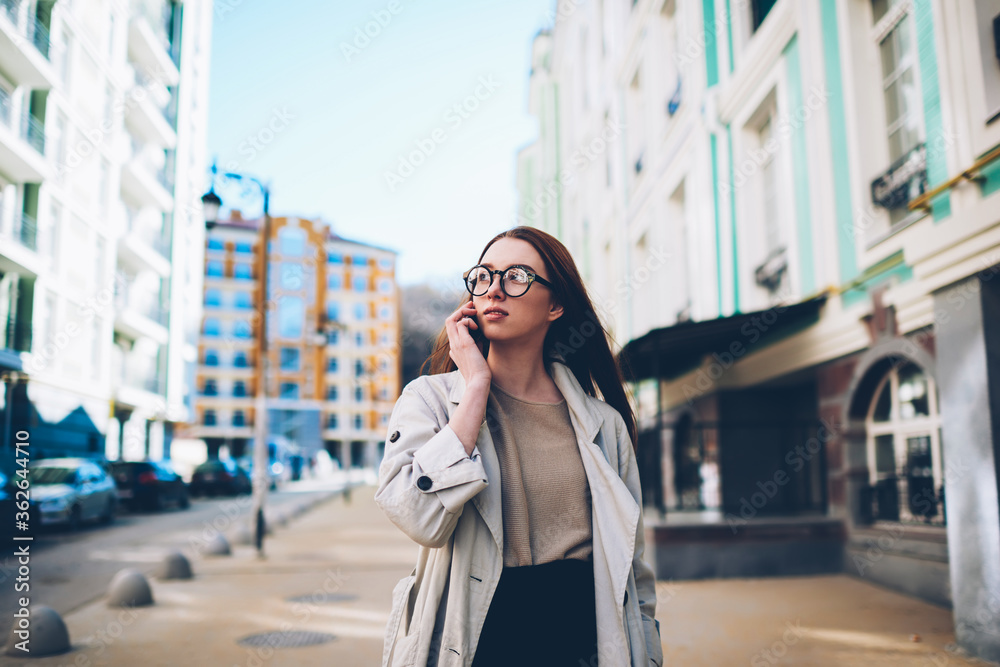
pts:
pixel 324 598
pixel 286 639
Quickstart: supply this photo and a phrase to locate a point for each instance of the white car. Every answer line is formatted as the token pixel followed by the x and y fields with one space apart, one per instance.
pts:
pixel 71 491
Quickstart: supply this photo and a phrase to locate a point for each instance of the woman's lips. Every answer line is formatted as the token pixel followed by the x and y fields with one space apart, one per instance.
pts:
pixel 494 315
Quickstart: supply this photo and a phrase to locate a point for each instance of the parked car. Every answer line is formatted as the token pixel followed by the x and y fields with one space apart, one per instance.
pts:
pixel 149 484
pixel 8 491
pixel 219 476
pixel 70 491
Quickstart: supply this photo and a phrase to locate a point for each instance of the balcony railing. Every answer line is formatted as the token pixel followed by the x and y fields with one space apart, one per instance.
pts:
pixel 157 313
pixel 16 336
pixel 26 231
pixel 142 380
pixel 30 128
pixel 143 80
pixel 6 108
pixel 33 132
pixel 160 172
pixel 39 36
pixel 159 239
pixel 32 29
pixel 11 8
pixel 153 311
pixel 154 384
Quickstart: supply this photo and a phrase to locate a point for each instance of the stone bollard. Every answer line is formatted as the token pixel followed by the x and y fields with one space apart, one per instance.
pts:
pixel 242 534
pixel 129 588
pixel 217 546
pixel 43 634
pixel 175 565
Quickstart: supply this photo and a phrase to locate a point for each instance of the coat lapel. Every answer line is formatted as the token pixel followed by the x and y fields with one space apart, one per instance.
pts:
pixel 615 512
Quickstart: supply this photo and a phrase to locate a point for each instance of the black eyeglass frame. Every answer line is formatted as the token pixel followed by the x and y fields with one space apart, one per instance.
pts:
pixel 532 278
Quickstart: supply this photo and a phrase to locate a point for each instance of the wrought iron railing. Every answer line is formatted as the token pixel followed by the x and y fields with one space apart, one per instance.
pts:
pixel 903 499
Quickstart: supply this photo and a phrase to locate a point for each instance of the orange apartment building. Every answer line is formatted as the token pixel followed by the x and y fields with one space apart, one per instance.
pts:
pixel 333 332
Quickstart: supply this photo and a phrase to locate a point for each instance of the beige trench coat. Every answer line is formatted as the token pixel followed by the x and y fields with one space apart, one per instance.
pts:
pixel 426 483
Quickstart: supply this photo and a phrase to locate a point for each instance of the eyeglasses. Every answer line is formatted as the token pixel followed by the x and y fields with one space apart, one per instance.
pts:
pixel 514 280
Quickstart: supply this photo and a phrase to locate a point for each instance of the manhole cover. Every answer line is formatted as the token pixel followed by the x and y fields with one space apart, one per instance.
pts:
pixel 324 598
pixel 289 639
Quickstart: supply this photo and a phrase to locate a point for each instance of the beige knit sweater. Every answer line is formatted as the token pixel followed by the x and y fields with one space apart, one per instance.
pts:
pixel 544 490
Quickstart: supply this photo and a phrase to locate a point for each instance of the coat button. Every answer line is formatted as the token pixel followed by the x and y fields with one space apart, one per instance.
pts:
pixel 424 483
pixel 394 437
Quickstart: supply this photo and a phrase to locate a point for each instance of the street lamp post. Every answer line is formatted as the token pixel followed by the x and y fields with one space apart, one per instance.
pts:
pixel 212 203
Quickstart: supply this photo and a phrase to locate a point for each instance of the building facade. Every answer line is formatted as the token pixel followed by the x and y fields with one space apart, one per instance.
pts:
pixel 787 214
pixel 332 344
pixel 103 109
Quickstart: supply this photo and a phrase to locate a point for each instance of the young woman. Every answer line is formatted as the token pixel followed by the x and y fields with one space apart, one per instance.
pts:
pixel 518 482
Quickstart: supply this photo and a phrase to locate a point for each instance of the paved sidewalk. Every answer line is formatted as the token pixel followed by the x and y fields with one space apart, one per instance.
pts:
pixel 346 558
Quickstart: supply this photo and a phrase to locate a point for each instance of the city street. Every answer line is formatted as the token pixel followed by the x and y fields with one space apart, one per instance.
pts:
pixel 743 254
pixel 70 569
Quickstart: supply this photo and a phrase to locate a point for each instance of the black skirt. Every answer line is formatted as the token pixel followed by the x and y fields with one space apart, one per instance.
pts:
pixel 542 615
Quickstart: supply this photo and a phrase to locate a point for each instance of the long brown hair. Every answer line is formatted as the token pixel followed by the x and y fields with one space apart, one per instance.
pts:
pixel 578 336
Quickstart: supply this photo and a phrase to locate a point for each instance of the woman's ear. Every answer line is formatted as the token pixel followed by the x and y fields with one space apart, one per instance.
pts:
pixel 555 311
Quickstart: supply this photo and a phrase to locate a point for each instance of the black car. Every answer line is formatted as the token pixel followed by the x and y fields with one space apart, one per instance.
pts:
pixel 8 508
pixel 219 476
pixel 149 485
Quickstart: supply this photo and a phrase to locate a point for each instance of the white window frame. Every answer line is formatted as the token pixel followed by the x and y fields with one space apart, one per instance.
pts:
pixel 901 430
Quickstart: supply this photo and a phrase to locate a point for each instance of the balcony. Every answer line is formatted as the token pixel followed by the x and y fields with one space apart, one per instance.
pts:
pixel 139 390
pixel 22 143
pixel 13 341
pixel 136 381
pixel 149 44
pixel 147 182
pixel 25 231
pixel 24 46
pixel 143 246
pixel 148 114
pixel 138 320
pixel 19 246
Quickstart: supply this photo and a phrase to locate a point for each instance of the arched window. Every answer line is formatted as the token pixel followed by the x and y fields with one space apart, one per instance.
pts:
pixel 905 455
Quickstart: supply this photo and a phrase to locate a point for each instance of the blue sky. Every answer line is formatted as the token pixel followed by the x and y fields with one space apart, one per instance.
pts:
pixel 324 127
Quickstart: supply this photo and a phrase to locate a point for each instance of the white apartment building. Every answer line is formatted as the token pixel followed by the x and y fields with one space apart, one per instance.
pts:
pixel 743 185
pixel 103 113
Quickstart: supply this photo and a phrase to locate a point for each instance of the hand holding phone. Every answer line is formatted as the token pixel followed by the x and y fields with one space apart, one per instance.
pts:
pixel 466 342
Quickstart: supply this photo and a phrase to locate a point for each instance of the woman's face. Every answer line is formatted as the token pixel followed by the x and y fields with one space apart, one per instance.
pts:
pixel 503 317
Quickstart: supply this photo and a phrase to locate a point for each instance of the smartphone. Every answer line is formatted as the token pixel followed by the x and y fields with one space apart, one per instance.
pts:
pixel 477 335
